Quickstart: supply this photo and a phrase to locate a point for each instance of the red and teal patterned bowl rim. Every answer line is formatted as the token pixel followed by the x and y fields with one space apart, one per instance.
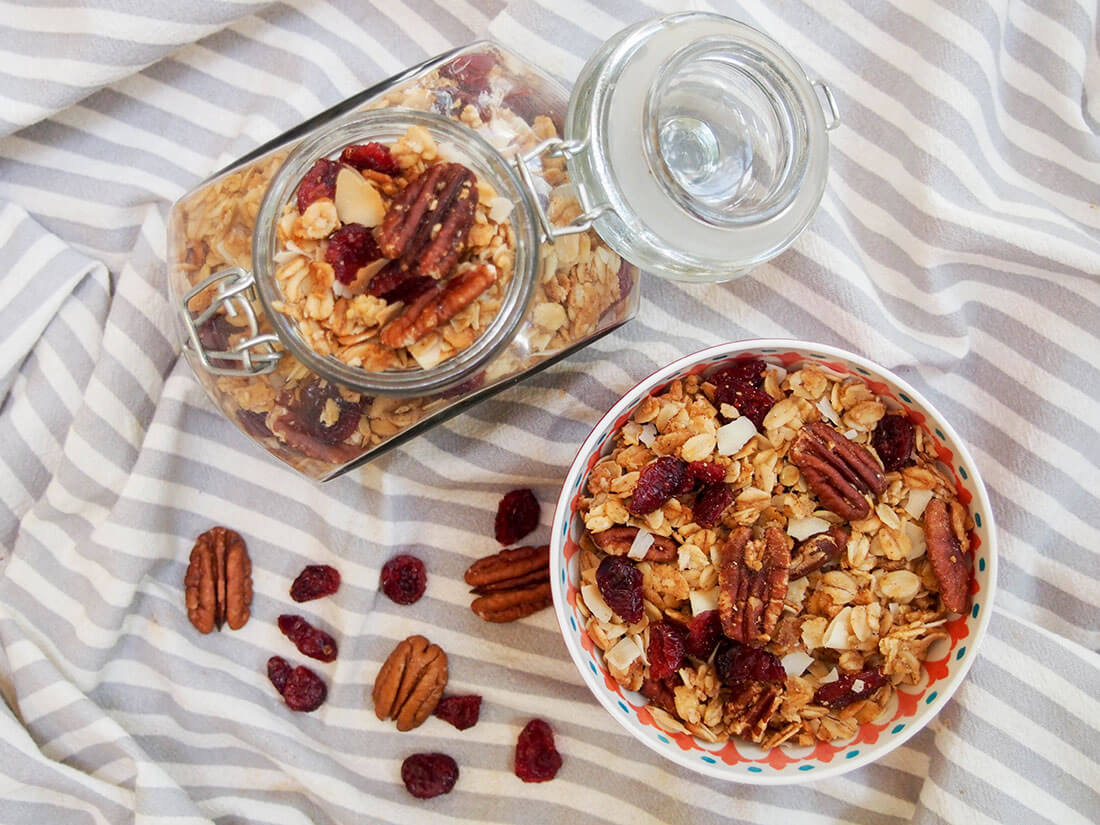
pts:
pixel 914 707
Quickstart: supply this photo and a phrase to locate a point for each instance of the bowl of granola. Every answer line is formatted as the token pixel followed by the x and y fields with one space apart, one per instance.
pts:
pixel 773 561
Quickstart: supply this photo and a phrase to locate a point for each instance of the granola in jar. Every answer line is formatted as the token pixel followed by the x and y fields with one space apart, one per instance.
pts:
pixel 398 259
pixel 324 267
pixel 767 555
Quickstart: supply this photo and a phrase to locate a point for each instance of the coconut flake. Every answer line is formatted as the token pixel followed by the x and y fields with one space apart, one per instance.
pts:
pixel 735 435
pixel 917 501
pixel 858 685
pixel 802 528
pixel 831 676
pixel 643 540
pixel 594 601
pixel 826 409
pixel 284 255
pixel 648 434
pixel 796 591
pixel 703 600
pixel 851 435
pixel 450 151
pixel 427 351
pixel 836 634
pixel 623 655
pixel 499 209
pixel 796 662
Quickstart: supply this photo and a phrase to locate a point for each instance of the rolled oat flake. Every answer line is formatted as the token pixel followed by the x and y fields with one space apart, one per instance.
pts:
pixel 466 223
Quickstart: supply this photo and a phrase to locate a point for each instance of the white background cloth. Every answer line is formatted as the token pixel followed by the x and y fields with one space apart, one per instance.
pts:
pixel 957 244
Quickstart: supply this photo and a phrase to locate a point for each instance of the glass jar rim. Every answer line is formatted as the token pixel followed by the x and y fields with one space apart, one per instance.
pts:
pixel 463 366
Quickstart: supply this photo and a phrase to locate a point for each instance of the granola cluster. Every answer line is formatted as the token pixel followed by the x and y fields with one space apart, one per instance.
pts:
pixel 581 289
pixel 765 613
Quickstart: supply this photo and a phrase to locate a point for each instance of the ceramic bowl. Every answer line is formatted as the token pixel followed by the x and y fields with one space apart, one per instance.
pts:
pixel 738 760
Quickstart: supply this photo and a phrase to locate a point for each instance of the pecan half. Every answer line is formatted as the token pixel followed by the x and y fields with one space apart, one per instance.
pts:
pixel 437 306
pixel 750 707
pixel 616 541
pixel 428 223
pixel 511 584
pixel 509 569
pixel 752 583
pixel 218 582
pixel 410 683
pixel 814 552
pixel 839 471
pixel 509 605
pixel 949 562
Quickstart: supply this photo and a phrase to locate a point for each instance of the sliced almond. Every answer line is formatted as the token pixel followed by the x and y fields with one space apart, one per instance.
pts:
pixel 357 201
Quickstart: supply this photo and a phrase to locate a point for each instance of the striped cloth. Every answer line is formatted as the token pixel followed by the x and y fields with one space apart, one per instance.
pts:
pixel 957 244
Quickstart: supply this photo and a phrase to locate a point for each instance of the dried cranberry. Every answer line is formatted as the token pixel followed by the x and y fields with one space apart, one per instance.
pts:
pixel 736 663
pixel 748 372
pixel 315 581
pixel 349 248
pixel 309 408
pixel 429 774
pixel 410 289
pixel 626 278
pixel 278 671
pixel 751 402
pixel 460 711
pixel 703 633
pixel 470 71
pixel 893 441
pixel 666 649
pixel 658 481
pixel 309 640
pixel 319 182
pixel 214 335
pixel 517 515
pixel 707 472
pixel 254 423
pixel 467 386
pixel 660 692
pixel 374 156
pixel 304 690
pixel 523 103
pixel 687 485
pixel 537 760
pixel 620 584
pixel 711 503
pixel 404 579
pixel 851 687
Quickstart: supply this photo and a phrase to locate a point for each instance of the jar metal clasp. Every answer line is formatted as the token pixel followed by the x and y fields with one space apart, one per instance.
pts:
pixel 828 103
pixel 556 147
pixel 257 353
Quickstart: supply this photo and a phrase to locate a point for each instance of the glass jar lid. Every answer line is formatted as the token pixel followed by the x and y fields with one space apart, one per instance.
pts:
pixel 699 145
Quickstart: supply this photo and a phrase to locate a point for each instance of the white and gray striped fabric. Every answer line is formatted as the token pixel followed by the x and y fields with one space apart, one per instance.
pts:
pixel 957 244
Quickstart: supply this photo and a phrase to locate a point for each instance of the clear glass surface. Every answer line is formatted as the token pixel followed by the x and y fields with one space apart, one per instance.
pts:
pixel 724 133
pixel 702 141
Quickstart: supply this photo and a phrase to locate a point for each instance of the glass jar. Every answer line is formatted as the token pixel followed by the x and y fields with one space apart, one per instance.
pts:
pixel 336 301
